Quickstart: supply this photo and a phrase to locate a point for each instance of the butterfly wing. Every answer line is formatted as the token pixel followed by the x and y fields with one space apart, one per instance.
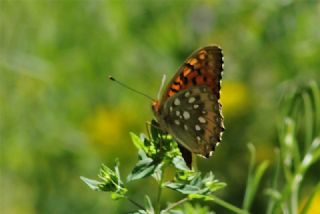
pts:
pixel 203 67
pixel 193 116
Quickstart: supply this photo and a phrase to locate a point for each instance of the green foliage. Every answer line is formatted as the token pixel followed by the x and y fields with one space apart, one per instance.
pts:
pixel 254 178
pixel 193 185
pixel 159 151
pixel 187 208
pixel 110 182
pixel 155 154
pixel 299 139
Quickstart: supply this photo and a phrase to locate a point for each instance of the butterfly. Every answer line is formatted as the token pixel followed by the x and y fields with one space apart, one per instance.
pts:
pixel 189 109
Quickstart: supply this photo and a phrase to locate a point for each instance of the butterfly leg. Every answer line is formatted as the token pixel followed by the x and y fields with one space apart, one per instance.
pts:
pixel 148 124
pixel 152 124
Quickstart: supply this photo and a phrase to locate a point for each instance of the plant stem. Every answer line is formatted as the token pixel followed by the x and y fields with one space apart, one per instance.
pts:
pixel 158 202
pixel 295 192
pixel 228 205
pixel 135 203
pixel 249 187
pixel 175 204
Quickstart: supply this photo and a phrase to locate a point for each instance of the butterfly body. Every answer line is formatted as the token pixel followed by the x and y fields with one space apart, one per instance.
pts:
pixel 189 109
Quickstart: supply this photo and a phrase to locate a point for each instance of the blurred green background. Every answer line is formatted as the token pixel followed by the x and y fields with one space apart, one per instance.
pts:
pixel 60 117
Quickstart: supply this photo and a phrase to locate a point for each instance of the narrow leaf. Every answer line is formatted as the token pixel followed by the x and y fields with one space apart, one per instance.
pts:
pixel 93 184
pixel 137 141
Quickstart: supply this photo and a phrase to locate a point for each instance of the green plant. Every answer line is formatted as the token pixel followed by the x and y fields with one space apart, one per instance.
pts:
pixel 155 155
pixel 299 148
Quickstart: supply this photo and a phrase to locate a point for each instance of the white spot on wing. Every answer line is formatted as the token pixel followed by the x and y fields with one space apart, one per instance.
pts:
pixel 192 99
pixel 197 127
pixel 186 115
pixel 202 119
pixel 177 122
pixel 176 101
pixel 195 106
pixel 185 127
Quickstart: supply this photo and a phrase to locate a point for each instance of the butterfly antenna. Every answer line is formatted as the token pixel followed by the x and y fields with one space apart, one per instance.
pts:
pixel 164 77
pixel 131 89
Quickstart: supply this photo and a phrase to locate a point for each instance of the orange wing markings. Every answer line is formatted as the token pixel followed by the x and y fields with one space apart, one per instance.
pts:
pixel 170 93
pixel 192 61
pixel 202 55
pixel 186 71
pixel 176 87
pixel 201 68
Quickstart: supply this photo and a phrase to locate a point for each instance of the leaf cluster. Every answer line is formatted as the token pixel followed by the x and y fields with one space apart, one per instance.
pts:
pixel 155 154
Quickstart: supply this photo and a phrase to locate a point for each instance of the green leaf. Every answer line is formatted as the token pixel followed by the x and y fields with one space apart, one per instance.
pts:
pixel 142 169
pixel 157 174
pixel 148 204
pixel 183 188
pixel 137 141
pixel 312 155
pixel 315 91
pixel 272 192
pixel 254 178
pixel 259 172
pixel 189 208
pixel 142 155
pixel 179 163
pixel 308 118
pixel 192 183
pixel 117 196
pixel 214 186
pixel 93 184
pixel 110 182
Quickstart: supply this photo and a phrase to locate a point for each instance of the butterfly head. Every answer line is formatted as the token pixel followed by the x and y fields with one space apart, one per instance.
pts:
pixel 156 107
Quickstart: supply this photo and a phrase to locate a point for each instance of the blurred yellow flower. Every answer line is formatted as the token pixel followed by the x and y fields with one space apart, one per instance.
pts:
pixel 109 127
pixel 105 126
pixel 234 97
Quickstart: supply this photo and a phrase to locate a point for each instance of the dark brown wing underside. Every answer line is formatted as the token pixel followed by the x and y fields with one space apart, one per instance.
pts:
pixel 193 117
pixel 196 123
